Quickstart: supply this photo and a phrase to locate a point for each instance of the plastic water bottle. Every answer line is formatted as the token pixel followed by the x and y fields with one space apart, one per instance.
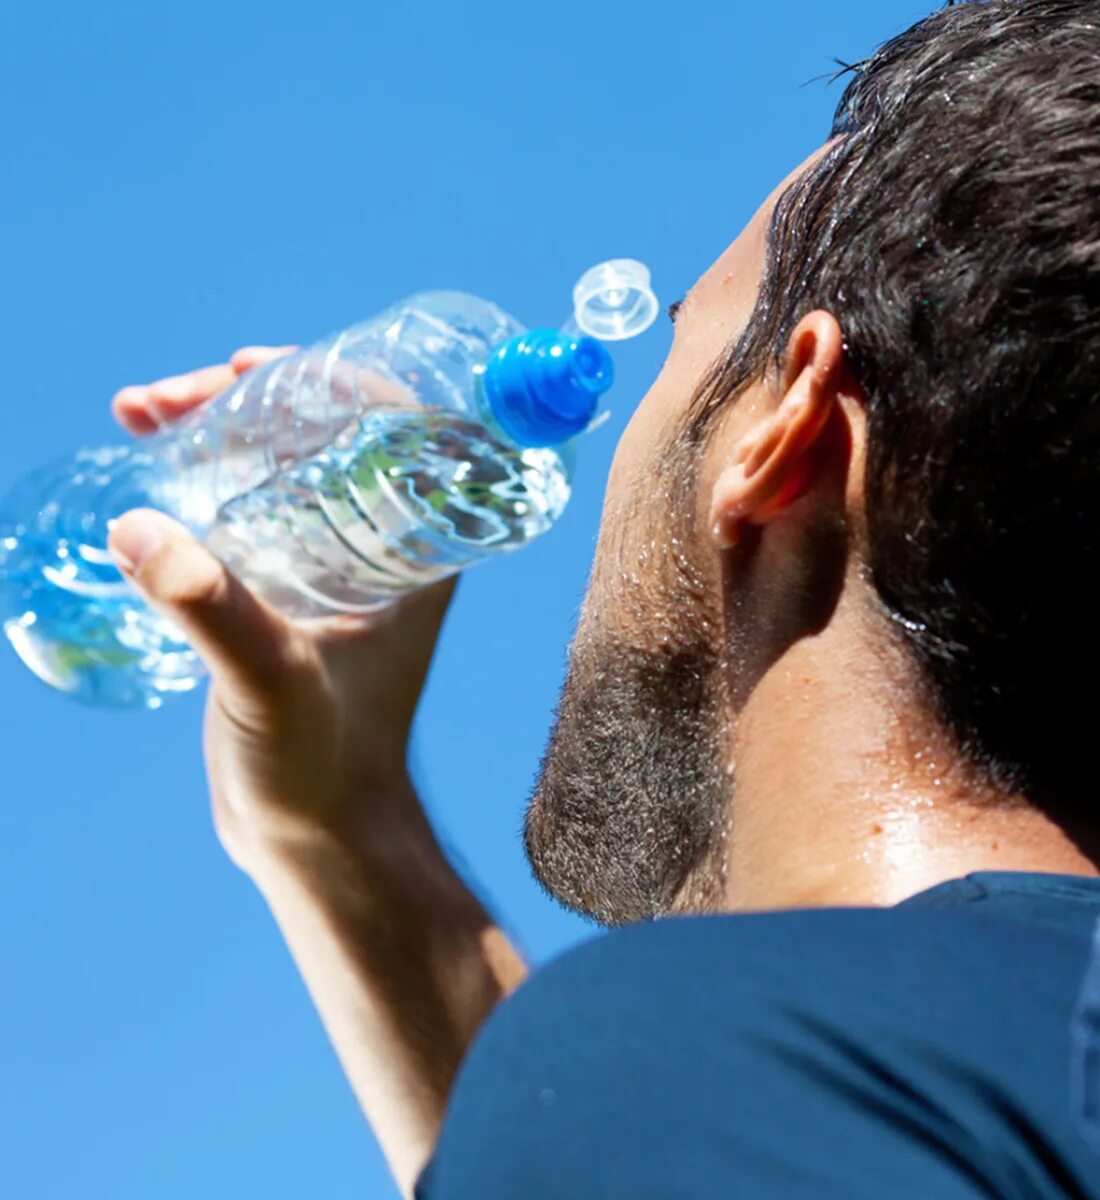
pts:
pixel 332 480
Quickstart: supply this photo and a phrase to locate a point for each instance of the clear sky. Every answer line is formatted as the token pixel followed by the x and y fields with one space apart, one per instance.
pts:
pixel 184 178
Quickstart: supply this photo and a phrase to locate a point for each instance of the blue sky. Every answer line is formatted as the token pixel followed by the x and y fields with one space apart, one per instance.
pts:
pixel 185 178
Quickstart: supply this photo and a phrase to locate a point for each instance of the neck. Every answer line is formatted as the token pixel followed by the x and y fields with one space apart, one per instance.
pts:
pixel 848 794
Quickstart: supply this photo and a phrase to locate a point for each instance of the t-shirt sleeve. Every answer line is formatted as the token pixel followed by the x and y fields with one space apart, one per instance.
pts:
pixel 661 1062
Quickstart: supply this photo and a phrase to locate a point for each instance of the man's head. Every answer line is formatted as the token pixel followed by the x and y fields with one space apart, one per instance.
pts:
pixel 889 385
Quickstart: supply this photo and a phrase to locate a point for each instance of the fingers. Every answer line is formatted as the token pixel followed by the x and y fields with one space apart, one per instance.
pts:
pixel 144 409
pixel 250 650
pixel 255 356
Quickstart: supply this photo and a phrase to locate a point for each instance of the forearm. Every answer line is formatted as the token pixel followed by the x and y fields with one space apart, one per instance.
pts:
pixel 402 963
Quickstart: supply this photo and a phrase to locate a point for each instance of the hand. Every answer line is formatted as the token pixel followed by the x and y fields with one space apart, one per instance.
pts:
pixel 307 721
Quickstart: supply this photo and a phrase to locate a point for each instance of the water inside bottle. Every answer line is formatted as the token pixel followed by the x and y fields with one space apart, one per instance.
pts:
pixel 400 499
pixel 403 497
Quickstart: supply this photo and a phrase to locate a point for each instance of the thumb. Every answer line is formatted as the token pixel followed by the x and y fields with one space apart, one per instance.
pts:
pixel 244 642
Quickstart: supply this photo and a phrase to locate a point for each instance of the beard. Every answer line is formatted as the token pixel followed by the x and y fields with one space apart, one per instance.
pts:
pixel 628 817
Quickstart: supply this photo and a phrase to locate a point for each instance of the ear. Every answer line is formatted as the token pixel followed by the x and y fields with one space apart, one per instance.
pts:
pixel 775 463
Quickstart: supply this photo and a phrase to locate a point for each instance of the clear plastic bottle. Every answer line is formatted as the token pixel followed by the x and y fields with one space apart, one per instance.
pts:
pixel 331 480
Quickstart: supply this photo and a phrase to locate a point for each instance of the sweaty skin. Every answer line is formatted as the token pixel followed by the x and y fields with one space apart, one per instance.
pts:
pixel 821 776
pixel 727 626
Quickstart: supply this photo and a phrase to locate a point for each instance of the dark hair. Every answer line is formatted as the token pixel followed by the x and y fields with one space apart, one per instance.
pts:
pixel 954 232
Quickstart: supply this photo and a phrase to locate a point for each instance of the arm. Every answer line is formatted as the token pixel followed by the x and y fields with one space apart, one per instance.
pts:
pixel 402 963
pixel 305 737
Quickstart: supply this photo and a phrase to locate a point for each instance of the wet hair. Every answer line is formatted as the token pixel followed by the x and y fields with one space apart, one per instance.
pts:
pixel 954 232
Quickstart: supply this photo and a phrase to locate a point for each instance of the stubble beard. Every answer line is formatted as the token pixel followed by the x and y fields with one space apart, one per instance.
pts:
pixel 628 818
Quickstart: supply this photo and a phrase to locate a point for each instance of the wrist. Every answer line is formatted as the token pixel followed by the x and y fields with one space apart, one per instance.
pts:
pixel 383 840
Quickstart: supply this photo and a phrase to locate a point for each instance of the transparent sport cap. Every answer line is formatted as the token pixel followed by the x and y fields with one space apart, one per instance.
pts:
pixel 613 301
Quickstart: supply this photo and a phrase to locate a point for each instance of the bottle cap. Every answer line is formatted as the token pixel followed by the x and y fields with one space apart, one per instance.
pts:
pixel 543 386
pixel 614 300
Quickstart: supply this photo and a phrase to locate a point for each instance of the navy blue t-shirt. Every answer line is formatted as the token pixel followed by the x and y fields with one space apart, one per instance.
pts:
pixel 948 1047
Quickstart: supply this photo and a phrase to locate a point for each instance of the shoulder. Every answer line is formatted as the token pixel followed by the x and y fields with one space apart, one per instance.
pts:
pixel 741 968
pixel 671 1000
pixel 804 996
pixel 738 1039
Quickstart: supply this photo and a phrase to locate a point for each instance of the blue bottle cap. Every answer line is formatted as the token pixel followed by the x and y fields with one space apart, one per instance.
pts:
pixel 543 386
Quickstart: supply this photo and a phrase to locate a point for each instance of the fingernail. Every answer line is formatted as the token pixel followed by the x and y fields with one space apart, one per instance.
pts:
pixel 133 539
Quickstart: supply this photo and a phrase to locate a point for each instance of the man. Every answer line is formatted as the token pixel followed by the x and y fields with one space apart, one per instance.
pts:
pixel 823 680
